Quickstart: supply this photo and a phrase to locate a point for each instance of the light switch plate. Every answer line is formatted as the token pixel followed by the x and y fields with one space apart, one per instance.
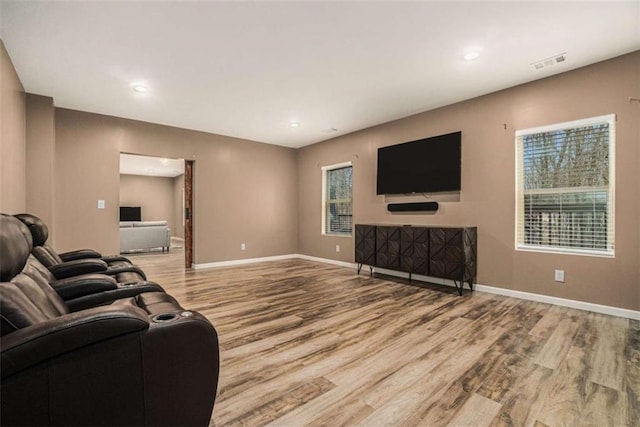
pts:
pixel 101 204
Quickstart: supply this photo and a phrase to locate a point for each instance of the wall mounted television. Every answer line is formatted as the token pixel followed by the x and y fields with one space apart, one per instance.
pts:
pixel 130 213
pixel 424 166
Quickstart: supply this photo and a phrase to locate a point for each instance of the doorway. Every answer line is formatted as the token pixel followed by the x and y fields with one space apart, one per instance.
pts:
pixel 161 191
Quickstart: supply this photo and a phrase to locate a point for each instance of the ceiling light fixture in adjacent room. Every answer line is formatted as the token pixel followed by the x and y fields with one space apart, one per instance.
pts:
pixel 294 124
pixel 140 88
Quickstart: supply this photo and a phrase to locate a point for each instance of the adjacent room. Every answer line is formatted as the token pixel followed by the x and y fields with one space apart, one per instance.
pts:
pixel 151 204
pixel 320 213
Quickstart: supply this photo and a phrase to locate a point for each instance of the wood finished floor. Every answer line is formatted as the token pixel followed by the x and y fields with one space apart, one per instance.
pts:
pixel 305 343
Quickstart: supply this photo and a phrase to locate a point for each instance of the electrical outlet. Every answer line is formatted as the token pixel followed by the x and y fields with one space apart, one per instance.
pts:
pixel 101 204
pixel 243 246
pixel 559 276
pixel 337 248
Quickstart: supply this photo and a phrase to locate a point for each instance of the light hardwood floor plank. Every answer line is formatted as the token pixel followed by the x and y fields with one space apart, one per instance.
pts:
pixel 478 411
pixel 306 343
pixel 559 342
pixel 607 358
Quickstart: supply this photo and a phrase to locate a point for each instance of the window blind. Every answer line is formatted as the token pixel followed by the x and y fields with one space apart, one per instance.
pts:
pixel 338 203
pixel 565 187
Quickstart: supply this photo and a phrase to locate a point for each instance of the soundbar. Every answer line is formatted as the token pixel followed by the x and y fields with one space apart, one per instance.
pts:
pixel 413 207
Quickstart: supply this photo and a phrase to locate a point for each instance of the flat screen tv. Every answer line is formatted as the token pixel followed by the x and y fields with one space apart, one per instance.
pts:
pixel 424 166
pixel 130 213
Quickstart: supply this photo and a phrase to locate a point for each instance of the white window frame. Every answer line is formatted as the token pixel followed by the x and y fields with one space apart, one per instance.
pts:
pixel 519 225
pixel 325 169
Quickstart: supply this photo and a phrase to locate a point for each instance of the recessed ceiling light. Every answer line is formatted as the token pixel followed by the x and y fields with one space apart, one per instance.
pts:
pixel 294 124
pixel 471 56
pixel 140 88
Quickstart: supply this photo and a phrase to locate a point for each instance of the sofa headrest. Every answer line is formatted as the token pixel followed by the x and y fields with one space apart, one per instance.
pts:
pixel 37 227
pixel 150 224
pixel 15 246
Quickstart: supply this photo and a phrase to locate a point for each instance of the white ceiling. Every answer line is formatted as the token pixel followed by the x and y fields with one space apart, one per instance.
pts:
pixel 132 164
pixel 248 69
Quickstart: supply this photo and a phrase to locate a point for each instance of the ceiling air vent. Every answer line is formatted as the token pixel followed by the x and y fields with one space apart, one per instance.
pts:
pixel 549 62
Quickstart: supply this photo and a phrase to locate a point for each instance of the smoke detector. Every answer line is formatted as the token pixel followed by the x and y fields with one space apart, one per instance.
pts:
pixel 329 130
pixel 550 62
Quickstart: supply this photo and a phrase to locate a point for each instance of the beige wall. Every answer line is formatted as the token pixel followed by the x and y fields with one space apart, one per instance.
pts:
pixel 243 191
pixel 487 199
pixel 153 193
pixel 247 192
pixel 12 138
pixel 178 195
pixel 40 172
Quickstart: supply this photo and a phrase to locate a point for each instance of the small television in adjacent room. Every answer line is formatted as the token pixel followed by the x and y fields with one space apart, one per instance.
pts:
pixel 427 165
pixel 130 213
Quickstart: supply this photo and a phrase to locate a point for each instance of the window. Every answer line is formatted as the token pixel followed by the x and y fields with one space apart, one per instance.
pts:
pixel 565 187
pixel 337 207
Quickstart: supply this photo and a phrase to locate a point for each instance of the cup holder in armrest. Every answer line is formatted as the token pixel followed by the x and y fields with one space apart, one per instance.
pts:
pixel 165 317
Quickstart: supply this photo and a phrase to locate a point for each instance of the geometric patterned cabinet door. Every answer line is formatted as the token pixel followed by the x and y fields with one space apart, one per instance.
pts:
pixel 453 254
pixel 414 250
pixel 388 247
pixel 443 252
pixel 365 245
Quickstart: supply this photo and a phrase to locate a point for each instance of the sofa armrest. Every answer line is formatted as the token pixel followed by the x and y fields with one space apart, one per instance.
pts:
pixel 78 267
pixel 79 254
pixel 173 362
pixel 35 344
pixel 112 271
pixel 86 284
pixel 122 291
pixel 113 258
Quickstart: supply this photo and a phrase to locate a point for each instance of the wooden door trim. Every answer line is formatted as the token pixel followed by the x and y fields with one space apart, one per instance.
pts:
pixel 188 213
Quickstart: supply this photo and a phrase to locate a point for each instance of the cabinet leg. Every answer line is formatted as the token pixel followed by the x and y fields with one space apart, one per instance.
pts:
pixel 459 288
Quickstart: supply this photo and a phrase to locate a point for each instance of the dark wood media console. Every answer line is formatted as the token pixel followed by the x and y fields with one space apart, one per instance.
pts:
pixel 443 252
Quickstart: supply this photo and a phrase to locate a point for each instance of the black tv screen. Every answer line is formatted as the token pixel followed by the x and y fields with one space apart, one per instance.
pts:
pixel 130 213
pixel 424 166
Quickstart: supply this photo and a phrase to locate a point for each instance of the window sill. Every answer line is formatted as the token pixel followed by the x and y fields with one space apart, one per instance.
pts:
pixel 566 251
pixel 337 235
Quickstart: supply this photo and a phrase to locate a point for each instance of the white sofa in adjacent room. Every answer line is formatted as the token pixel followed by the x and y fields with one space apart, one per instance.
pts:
pixel 144 235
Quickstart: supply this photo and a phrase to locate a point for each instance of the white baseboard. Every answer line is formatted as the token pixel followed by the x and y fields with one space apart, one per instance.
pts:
pixel 418 277
pixel 242 261
pixel 328 261
pixel 580 305
pixel 271 258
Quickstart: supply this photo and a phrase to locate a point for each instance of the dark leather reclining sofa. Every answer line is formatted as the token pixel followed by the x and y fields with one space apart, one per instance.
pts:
pixel 139 360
